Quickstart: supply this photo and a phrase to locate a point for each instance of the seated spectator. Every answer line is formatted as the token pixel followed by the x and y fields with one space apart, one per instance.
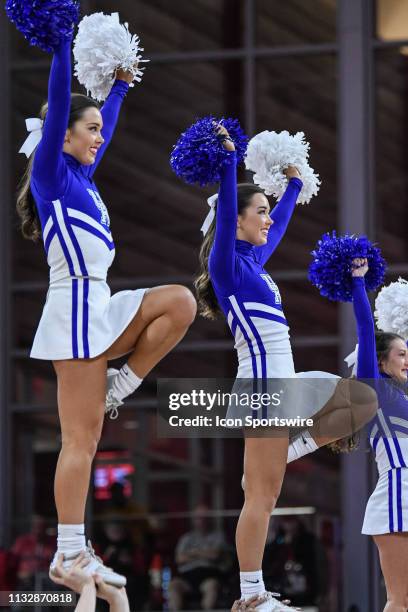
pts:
pixel 7 570
pixel 32 553
pixel 295 562
pixel 198 553
pixel 119 507
pixel 119 552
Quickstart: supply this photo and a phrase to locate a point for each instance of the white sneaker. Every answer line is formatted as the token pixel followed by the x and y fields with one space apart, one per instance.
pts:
pixel 95 566
pixel 111 402
pixel 271 604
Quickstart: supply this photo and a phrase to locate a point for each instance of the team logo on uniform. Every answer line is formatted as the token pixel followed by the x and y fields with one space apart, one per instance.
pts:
pixel 273 287
pixel 101 206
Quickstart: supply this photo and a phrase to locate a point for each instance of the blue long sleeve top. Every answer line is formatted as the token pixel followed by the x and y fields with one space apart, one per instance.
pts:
pixel 389 429
pixel 247 295
pixel 74 219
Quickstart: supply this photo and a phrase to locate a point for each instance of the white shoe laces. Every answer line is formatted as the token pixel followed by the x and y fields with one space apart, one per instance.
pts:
pixel 91 552
pixel 112 404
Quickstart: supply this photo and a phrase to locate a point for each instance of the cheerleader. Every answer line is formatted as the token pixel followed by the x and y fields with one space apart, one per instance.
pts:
pixel 383 361
pixel 232 277
pixel 82 326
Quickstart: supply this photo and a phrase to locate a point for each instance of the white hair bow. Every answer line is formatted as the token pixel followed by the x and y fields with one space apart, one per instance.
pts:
pixel 209 218
pixel 34 126
pixel 351 360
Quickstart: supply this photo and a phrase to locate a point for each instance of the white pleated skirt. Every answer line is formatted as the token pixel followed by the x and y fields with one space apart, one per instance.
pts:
pixel 81 319
pixel 298 394
pixel 387 507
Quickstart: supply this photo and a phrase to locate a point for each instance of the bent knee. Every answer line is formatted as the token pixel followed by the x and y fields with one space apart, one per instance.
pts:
pixel 361 394
pixel 365 414
pixel 183 307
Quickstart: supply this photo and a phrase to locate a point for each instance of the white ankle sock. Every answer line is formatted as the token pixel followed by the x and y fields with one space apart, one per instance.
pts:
pixel 125 382
pixel 301 446
pixel 251 584
pixel 71 539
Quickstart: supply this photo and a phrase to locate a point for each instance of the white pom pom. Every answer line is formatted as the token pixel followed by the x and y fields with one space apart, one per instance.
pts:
pixel 269 153
pixel 391 308
pixel 101 46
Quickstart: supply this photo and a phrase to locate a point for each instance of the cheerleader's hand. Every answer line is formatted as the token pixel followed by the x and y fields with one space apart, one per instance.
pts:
pixel 292 172
pixel 113 595
pixel 359 267
pixel 225 138
pixel 74 578
pixel 247 606
pixel 125 75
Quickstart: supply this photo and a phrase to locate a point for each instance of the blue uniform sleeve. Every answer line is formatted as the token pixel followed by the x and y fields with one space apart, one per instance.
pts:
pixel 223 266
pixel 281 215
pixel 110 115
pixel 367 366
pixel 49 167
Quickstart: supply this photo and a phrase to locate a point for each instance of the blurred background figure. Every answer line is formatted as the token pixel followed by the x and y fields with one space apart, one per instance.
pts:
pixel 197 556
pixel 125 541
pixel 295 562
pixel 31 554
pixel 120 552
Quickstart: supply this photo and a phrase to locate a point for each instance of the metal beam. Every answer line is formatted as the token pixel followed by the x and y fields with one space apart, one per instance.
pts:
pixel 356 213
pixel 249 67
pixel 5 254
pixel 182 279
pixel 207 56
pixel 193 346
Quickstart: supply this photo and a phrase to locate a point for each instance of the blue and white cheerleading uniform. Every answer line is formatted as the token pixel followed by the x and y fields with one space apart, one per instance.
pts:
pixel 252 305
pixel 80 318
pixel 387 508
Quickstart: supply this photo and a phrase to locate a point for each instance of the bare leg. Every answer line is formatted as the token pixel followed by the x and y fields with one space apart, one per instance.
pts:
pixel 393 550
pixel 162 320
pixel 264 469
pixel 209 589
pixel 81 405
pixel 160 323
pixel 352 406
pixel 177 589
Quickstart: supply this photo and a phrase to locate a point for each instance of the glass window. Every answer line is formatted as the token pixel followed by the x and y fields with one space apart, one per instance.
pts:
pixel 392 19
pixel 299 95
pixel 295 23
pixel 391 154
pixel 166 27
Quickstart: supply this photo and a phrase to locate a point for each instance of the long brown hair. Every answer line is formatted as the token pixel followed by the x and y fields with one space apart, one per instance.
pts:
pixel 206 298
pixel 383 342
pixel 26 208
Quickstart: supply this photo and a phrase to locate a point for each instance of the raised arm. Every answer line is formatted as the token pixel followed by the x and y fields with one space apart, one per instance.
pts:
pixel 281 215
pixel 223 261
pixel 367 366
pixel 49 168
pixel 110 114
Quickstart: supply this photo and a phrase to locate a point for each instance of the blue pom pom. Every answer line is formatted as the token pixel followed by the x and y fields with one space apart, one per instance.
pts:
pixel 44 23
pixel 198 156
pixel 330 270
